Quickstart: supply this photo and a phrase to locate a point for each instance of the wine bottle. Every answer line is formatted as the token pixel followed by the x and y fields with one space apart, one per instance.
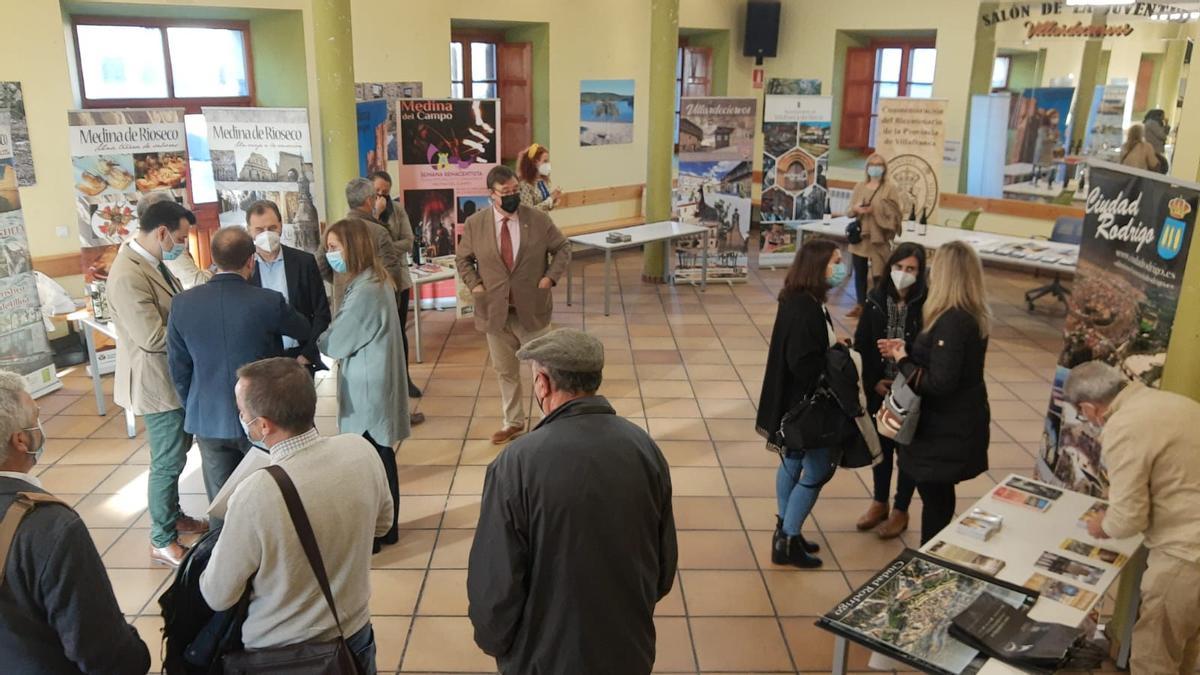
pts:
pixel 912 215
pixel 923 227
pixel 828 215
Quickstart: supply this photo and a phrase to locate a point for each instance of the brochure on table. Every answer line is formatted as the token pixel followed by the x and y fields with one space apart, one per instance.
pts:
pixel 1137 231
pixel 796 132
pixel 24 346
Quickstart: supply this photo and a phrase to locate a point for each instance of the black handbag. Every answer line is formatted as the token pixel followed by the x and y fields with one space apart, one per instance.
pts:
pixel 306 658
pixel 815 422
pixel 854 229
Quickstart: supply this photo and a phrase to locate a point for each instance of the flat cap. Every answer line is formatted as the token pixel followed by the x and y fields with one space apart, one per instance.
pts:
pixel 567 350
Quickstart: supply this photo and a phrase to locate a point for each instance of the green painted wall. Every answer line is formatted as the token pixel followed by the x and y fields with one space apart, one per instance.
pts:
pixel 277 45
pixel 660 154
pixel 1023 73
pixel 538 34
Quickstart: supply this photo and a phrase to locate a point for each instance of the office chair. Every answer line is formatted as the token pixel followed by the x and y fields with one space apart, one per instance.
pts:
pixel 1067 230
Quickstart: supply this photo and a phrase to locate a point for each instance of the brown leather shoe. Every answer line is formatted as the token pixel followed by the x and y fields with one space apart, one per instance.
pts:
pixel 876 514
pixel 507 434
pixel 416 418
pixel 854 312
pixel 190 525
pixel 170 555
pixel 894 526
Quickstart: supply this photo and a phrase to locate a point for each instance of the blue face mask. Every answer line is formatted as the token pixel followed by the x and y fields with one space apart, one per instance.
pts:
pixel 246 430
pixel 336 262
pixel 874 171
pixel 836 276
pixel 174 252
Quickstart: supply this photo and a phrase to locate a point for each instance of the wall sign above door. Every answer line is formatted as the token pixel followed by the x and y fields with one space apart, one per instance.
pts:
pixel 1031 11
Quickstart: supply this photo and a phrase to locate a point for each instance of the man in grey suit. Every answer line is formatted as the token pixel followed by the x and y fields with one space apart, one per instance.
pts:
pixel 511 256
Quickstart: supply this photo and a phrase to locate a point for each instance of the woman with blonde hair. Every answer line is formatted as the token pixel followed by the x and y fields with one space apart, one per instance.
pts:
pixel 1137 151
pixel 364 336
pixel 533 168
pixel 946 370
pixel 878 205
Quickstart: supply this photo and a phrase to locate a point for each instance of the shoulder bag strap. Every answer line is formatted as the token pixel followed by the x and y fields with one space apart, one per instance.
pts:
pixel 307 539
pixel 20 507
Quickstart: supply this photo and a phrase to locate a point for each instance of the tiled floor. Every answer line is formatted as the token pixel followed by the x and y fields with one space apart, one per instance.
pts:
pixel 686 366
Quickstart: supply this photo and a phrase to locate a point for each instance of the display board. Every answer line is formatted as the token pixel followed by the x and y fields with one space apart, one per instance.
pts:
pixel 116 157
pixel 24 346
pixel 265 153
pixel 911 136
pixel 372 136
pixel 989 140
pixel 12 99
pixel 1037 127
pixel 447 148
pixel 1106 120
pixel 390 92
pixel 1137 230
pixel 716 161
pixel 796 133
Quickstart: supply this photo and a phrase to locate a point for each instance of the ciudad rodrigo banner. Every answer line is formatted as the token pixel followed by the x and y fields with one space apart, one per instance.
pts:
pixel 1137 229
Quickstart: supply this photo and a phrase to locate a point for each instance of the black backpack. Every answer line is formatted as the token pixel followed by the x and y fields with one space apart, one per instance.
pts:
pixel 196 636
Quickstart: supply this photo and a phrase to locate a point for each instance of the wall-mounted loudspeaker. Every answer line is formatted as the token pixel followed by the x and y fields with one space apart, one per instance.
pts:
pixel 762 30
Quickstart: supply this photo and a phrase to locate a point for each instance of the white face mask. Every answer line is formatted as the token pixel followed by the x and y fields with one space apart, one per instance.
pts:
pixel 267 240
pixel 903 279
pixel 544 168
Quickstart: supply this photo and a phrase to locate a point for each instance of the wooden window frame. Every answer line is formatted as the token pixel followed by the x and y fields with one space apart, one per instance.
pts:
pixel 906 48
pixel 465 37
pixel 191 105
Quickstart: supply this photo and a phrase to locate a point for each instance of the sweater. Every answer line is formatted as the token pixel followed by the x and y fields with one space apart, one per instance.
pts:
pixel 342 485
pixel 58 613
pixel 1153 461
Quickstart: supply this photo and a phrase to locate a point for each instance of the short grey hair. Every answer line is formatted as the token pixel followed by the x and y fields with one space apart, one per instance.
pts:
pixel 14 414
pixel 358 191
pixel 1093 382
pixel 151 198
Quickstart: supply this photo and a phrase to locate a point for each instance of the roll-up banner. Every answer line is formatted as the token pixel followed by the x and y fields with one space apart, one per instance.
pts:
pixel 796 132
pixel 447 148
pixel 265 153
pixel 24 346
pixel 1137 229
pixel 911 136
pixel 716 166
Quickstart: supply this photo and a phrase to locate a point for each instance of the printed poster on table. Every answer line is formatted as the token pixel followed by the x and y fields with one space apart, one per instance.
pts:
pixel 116 157
pixel 24 346
pixel 1137 229
pixel 447 148
pixel 264 153
pixel 911 136
pixel 716 160
pixel 390 92
pixel 796 132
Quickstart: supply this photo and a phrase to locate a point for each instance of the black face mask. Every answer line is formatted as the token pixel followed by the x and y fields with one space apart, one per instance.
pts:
pixel 509 203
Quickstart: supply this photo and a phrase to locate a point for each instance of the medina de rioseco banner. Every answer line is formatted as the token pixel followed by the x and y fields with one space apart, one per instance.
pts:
pixel 24 346
pixel 1137 229
pixel 716 165
pixel 116 157
pixel 796 131
pixel 911 136
pixel 447 148
pixel 264 153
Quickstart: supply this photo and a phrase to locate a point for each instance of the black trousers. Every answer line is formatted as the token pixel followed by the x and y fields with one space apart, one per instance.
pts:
pixel 388 457
pixel 402 300
pixel 218 458
pixel 938 502
pixel 861 278
pixel 882 473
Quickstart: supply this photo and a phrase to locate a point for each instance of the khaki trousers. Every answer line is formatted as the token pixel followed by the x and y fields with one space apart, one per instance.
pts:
pixel 503 348
pixel 1166 638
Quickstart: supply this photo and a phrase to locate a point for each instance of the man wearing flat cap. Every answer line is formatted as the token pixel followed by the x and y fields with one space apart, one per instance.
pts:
pixel 576 537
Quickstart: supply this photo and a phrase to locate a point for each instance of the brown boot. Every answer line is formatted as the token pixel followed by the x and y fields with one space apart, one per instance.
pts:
pixel 894 526
pixel 876 514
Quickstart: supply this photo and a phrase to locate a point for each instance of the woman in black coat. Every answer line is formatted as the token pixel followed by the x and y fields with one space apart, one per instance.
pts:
pixel 946 369
pixel 802 334
pixel 892 310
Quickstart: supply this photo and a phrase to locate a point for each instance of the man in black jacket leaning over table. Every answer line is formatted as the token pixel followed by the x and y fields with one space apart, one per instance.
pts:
pixel 58 613
pixel 576 536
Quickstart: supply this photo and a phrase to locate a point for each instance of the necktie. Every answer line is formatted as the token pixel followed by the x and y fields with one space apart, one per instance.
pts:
pixel 167 275
pixel 506 246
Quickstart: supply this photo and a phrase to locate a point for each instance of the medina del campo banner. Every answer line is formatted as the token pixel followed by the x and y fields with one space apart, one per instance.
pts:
pixel 24 347
pixel 1137 229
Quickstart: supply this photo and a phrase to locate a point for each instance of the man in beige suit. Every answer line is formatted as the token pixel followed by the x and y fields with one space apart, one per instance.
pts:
pixel 511 256
pixel 140 289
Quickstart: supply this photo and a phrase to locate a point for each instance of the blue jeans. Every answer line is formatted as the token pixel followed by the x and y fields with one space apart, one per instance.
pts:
pixel 362 644
pixel 799 481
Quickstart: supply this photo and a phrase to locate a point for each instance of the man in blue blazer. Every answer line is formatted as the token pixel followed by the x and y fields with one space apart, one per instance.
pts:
pixel 294 274
pixel 213 330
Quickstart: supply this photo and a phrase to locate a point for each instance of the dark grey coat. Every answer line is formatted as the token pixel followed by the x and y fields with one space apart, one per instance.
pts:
pixel 58 613
pixel 575 546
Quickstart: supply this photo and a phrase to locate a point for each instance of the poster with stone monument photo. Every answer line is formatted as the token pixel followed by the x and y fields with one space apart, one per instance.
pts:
pixel 796 139
pixel 390 92
pixel 264 153
pixel 12 99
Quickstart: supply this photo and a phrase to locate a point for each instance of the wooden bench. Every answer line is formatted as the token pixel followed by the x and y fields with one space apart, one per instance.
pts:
pixel 604 195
